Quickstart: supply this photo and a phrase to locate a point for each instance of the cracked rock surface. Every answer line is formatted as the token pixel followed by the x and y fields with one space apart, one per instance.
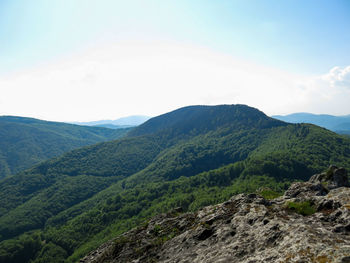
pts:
pixel 247 228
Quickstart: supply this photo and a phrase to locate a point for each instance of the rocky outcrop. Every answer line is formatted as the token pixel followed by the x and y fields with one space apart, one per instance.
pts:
pixel 247 228
pixel 334 177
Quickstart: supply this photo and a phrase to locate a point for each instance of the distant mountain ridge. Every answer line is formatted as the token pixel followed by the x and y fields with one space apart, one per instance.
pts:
pixel 340 124
pixel 28 141
pixel 123 122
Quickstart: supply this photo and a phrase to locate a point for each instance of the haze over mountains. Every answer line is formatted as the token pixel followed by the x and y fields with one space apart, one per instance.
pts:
pixel 340 124
pixel 190 157
pixel 129 121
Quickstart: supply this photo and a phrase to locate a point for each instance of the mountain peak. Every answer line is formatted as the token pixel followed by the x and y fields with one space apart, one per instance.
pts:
pixel 202 118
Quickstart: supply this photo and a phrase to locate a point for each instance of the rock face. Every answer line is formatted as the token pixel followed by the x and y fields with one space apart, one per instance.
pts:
pixel 247 228
pixel 335 177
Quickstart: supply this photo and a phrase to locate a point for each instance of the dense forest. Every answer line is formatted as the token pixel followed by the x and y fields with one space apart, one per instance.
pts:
pixel 26 141
pixel 59 210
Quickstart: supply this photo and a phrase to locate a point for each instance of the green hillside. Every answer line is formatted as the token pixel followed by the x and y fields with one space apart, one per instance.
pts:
pixel 191 157
pixel 26 141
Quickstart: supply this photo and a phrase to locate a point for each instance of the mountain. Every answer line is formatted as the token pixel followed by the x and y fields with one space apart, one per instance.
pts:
pixel 192 157
pixel 310 223
pixel 112 126
pixel 129 121
pixel 340 124
pixel 27 141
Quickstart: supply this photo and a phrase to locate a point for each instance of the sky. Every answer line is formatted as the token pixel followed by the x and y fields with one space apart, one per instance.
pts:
pixel 84 60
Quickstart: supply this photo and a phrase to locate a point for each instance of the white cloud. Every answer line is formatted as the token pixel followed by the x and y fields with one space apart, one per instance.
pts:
pixel 152 78
pixel 326 94
pixel 338 77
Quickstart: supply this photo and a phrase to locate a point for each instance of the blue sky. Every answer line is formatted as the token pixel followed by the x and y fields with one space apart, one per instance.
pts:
pixel 304 39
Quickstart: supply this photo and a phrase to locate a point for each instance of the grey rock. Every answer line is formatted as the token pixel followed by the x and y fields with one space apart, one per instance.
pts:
pixel 335 177
pixel 247 228
pixel 305 190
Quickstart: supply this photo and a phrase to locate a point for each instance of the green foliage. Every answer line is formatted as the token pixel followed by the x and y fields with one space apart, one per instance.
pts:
pixel 25 141
pixel 268 193
pixel 64 193
pixel 51 253
pixel 20 249
pixel 132 206
pixel 195 120
pixel 304 208
pixel 182 159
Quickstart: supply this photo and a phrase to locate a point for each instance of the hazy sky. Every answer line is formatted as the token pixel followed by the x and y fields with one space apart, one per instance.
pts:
pixel 81 60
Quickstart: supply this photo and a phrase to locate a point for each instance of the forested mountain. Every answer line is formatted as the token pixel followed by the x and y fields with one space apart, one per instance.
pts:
pixel 27 141
pixel 194 156
pixel 340 124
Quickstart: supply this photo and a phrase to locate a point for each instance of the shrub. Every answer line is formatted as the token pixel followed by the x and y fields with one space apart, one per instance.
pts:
pixel 304 208
pixel 268 194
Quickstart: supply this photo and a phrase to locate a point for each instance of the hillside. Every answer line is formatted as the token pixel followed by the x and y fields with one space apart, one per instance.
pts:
pixel 26 141
pixel 310 223
pixel 339 124
pixel 192 157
